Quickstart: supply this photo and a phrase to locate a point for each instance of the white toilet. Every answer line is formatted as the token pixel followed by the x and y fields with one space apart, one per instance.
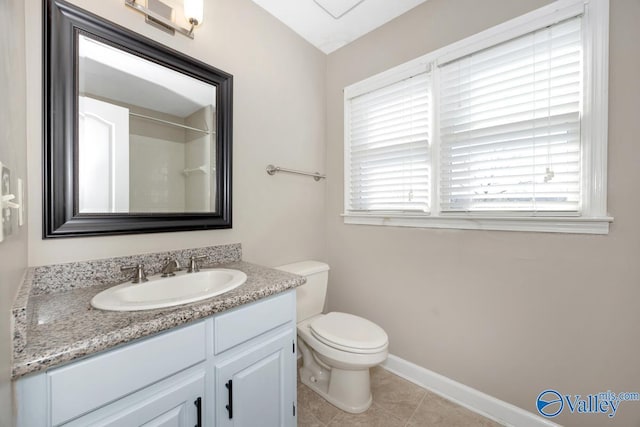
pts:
pixel 337 348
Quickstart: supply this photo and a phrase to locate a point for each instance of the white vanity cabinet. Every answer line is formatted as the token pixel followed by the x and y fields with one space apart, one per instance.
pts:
pixel 179 377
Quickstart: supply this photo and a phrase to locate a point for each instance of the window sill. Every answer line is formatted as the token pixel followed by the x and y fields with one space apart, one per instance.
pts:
pixel 575 225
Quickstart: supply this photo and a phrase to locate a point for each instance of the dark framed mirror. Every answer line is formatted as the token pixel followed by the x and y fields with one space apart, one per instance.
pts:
pixel 137 136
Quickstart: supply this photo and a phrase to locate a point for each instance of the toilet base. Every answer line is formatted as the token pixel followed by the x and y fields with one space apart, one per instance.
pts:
pixel 347 390
pixel 340 377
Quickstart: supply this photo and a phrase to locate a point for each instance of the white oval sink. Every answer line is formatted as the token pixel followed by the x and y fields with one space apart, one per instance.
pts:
pixel 161 292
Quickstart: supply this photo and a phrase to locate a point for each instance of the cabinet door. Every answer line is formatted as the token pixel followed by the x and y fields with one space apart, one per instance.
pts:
pixel 256 387
pixel 177 402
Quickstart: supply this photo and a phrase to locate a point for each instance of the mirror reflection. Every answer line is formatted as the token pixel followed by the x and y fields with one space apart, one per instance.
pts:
pixel 146 136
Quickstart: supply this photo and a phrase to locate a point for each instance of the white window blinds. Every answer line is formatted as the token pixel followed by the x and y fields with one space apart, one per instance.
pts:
pixel 510 124
pixel 388 150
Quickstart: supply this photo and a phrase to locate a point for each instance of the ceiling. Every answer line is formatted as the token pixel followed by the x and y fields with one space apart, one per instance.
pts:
pixel 117 75
pixel 331 24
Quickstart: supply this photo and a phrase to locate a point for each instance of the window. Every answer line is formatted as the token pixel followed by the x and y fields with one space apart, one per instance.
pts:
pixel 505 130
pixel 389 154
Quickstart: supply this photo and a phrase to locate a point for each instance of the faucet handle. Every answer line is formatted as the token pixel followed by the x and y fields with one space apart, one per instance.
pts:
pixel 139 274
pixel 194 267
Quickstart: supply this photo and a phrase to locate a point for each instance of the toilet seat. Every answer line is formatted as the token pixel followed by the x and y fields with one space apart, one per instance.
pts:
pixel 349 333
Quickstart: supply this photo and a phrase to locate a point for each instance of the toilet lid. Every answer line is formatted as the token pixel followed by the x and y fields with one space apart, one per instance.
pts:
pixel 349 332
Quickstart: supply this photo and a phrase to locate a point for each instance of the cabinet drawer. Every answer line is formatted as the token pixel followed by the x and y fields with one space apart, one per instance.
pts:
pixel 171 402
pixel 94 382
pixel 247 322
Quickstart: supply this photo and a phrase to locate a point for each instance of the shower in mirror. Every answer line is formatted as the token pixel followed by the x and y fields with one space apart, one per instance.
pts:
pixel 146 135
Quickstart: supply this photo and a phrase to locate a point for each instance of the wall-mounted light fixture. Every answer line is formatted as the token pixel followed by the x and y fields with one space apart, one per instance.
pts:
pixel 194 12
pixel 161 15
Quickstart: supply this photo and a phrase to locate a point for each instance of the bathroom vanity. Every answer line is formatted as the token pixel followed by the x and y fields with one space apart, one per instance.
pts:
pixel 225 361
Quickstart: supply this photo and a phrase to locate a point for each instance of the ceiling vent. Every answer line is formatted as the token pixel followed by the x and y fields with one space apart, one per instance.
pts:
pixel 338 8
pixel 330 24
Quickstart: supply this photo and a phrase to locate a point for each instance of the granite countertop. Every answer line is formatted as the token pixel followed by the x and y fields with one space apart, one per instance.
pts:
pixel 62 326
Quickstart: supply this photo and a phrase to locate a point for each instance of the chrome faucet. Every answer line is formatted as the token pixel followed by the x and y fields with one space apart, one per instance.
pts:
pixel 194 267
pixel 170 267
pixel 139 274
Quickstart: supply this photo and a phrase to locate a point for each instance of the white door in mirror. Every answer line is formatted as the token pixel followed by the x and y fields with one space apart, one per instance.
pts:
pixel 161 292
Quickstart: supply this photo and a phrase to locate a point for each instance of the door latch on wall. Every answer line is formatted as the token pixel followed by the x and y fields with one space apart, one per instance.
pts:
pixel 8 201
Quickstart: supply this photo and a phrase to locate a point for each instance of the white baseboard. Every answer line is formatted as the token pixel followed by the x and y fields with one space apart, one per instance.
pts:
pixel 474 400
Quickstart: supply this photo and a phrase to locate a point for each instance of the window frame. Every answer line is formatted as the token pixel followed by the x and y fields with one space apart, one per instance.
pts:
pixel 593 217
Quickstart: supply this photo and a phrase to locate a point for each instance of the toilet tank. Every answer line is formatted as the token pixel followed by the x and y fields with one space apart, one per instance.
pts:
pixel 310 297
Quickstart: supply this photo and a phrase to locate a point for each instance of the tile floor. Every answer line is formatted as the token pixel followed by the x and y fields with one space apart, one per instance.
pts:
pixel 396 403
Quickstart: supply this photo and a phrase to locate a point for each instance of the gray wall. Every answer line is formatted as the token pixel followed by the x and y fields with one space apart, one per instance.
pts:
pixel 278 118
pixel 508 313
pixel 13 153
